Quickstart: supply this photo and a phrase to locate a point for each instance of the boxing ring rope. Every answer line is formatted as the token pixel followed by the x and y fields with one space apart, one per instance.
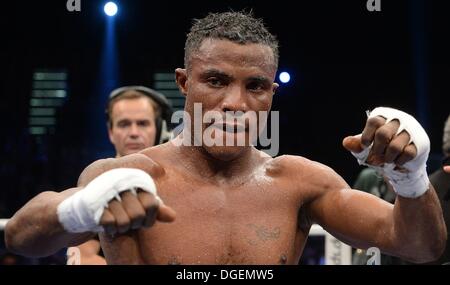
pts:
pixel 3 224
pixel 336 252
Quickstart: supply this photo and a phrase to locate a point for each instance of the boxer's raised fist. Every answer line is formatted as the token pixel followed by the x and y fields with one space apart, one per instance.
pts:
pixel 397 146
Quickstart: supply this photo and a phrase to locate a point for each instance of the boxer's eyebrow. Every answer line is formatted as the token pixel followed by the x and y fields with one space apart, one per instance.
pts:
pixel 260 79
pixel 216 73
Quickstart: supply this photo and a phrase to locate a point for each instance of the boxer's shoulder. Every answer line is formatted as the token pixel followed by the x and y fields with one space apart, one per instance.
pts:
pixel 297 164
pixel 158 152
pixel 311 174
pixel 137 160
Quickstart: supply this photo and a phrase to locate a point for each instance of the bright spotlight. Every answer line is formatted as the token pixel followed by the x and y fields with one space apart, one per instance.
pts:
pixel 284 77
pixel 110 9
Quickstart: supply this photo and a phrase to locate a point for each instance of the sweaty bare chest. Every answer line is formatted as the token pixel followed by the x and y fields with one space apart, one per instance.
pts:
pixel 251 224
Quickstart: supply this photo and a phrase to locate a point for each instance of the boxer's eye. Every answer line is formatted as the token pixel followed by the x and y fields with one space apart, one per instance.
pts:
pixel 216 82
pixel 257 86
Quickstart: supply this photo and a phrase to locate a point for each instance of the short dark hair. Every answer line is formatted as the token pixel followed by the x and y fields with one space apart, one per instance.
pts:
pixel 238 27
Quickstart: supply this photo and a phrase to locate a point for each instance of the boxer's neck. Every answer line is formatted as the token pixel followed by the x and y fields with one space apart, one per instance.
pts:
pixel 199 161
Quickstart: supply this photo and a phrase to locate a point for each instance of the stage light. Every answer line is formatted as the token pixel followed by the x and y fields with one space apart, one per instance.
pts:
pixel 110 9
pixel 284 77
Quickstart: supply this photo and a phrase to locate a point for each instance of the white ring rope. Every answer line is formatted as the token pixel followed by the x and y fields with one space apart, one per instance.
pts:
pixel 3 224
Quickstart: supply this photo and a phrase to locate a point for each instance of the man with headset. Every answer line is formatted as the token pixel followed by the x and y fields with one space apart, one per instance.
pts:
pixel 137 118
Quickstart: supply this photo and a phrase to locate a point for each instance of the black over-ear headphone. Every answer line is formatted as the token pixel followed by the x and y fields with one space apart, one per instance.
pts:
pixel 163 127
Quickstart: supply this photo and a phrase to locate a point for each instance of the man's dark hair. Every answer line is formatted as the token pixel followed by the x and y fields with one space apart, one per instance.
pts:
pixel 238 27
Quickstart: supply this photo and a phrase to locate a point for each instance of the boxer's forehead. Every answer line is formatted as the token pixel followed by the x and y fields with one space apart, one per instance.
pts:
pixel 214 53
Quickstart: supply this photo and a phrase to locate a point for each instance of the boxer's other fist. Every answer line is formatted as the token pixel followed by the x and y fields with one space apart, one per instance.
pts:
pixel 387 145
pixel 397 146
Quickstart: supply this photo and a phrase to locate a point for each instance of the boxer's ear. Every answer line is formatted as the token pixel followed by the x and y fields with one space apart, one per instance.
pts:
pixel 181 79
pixel 275 87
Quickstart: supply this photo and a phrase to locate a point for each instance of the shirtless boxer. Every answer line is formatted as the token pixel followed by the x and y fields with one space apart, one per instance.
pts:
pixel 179 204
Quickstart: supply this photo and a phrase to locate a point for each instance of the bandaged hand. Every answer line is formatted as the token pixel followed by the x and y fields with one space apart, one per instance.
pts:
pixel 115 202
pixel 397 146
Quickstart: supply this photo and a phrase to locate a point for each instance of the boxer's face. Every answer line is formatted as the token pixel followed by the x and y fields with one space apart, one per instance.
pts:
pixel 133 125
pixel 224 76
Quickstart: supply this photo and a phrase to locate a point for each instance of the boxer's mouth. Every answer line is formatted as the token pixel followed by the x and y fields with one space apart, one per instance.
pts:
pixel 231 127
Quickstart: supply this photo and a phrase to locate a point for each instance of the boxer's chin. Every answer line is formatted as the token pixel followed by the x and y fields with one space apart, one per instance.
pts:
pixel 225 153
pixel 226 146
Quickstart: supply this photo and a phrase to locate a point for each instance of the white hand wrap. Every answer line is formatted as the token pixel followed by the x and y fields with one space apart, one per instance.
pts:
pixel 414 181
pixel 82 211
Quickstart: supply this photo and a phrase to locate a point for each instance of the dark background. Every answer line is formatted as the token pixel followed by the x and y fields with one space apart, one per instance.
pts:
pixel 343 60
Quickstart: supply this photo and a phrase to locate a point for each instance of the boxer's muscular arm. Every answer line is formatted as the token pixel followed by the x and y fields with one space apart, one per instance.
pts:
pixel 35 230
pixel 411 229
pixel 395 144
